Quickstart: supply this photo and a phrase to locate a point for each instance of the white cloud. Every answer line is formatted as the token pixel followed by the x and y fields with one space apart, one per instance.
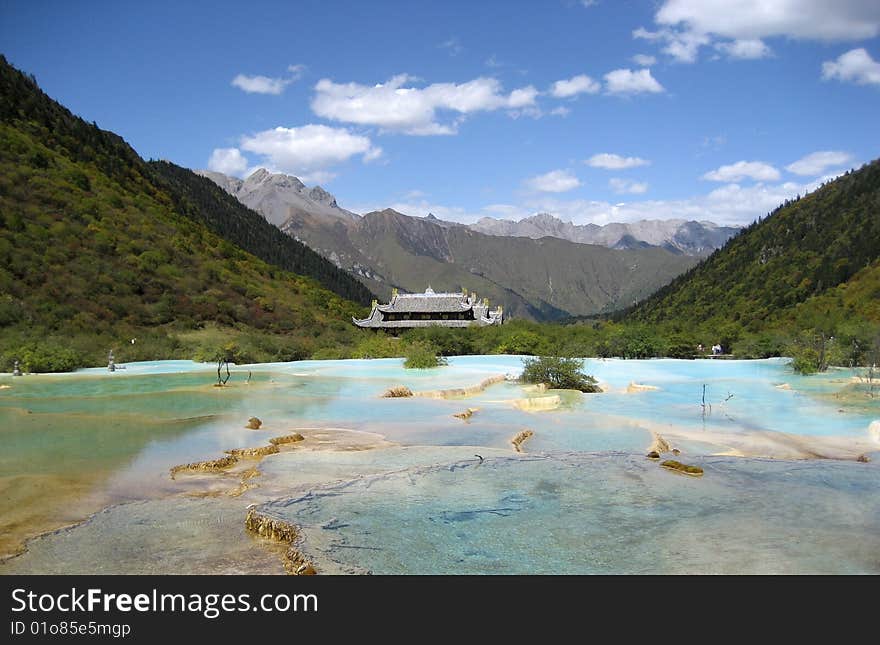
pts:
pixel 505 211
pixel 610 161
pixel 229 161
pixel 816 163
pixel 586 4
pixel 626 81
pixel 493 62
pixel 855 65
pixel 644 60
pixel 688 25
pixel 560 111
pixel 308 151
pixel 531 111
pixel 260 84
pixel 683 46
pixel 581 84
pixel 826 20
pixel 757 170
pixel 394 106
pixel 266 85
pixel 374 153
pixel 627 186
pixel 296 71
pixel 453 46
pixel 748 49
pixel 522 97
pixel 316 177
pixel 731 205
pixel 555 181
pixel 715 142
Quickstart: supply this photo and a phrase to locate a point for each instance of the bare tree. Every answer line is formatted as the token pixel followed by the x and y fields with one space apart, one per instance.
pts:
pixel 220 364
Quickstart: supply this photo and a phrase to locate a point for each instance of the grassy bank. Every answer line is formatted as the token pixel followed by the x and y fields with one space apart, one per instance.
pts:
pixel 853 344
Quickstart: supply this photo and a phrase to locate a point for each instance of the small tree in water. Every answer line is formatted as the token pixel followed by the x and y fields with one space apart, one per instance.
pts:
pixel 559 373
pixel 809 353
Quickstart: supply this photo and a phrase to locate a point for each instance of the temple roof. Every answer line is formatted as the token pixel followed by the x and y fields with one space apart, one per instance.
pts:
pixel 427 302
pixel 433 306
pixel 409 324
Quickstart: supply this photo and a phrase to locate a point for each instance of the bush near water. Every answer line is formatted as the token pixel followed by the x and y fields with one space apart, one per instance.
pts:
pixel 558 372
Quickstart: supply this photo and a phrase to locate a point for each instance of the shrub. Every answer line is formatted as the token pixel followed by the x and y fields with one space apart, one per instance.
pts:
pixel 809 352
pixel 46 357
pixel 558 372
pixel 520 342
pixel 377 345
pixel 762 345
pixel 448 341
pixel 330 353
pixel 422 355
pixel 805 360
pixel 677 346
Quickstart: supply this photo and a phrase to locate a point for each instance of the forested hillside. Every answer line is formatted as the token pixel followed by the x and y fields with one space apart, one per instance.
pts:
pixel 201 199
pixel 26 108
pixel 799 251
pixel 96 250
pixel 807 275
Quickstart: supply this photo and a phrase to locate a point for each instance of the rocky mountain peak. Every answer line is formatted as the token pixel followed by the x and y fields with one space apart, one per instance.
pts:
pixel 544 218
pixel 321 196
pixel 258 176
pixel 262 177
pixel 230 184
pixel 278 197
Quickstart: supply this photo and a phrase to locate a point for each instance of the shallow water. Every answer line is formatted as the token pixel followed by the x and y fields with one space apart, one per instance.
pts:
pixel 583 513
pixel 76 443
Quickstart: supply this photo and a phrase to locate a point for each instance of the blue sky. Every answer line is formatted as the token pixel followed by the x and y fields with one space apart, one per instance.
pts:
pixel 594 111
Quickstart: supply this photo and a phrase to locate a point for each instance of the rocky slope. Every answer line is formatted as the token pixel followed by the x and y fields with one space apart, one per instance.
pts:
pixel 279 197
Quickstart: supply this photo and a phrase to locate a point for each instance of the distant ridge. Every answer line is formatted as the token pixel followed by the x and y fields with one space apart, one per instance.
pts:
pixel 542 279
pixel 676 235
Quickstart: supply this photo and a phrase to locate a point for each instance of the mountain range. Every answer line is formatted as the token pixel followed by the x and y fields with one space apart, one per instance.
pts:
pixel 279 197
pixel 539 268
pixel 687 237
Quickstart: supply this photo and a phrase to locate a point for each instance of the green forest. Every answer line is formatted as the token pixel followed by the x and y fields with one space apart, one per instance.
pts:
pixel 99 248
pixel 803 281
